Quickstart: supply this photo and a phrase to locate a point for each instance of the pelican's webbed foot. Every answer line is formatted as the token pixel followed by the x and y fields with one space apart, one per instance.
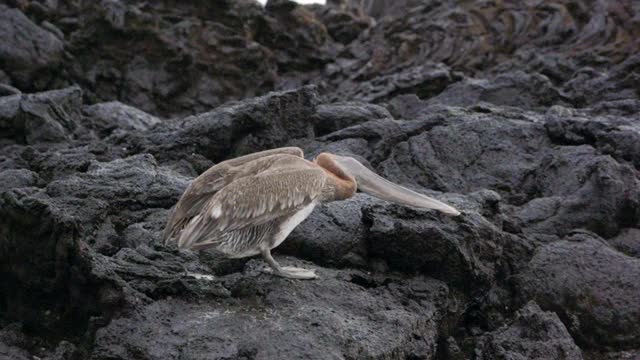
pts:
pixel 288 271
pixel 296 273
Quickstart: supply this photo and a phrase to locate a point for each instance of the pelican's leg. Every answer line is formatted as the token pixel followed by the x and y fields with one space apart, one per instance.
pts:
pixel 287 271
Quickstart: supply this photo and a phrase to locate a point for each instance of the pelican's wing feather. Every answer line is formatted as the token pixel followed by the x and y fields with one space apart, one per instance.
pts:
pixel 201 189
pixel 254 200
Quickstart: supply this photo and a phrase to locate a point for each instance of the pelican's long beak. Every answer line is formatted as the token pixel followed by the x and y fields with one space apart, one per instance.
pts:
pixel 375 185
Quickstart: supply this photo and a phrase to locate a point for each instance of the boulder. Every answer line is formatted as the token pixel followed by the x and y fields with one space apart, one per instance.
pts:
pixel 17 178
pixel 591 286
pixel 111 116
pixel 627 242
pixel 334 234
pixel 26 48
pixel 533 334
pixel 51 116
pixel 517 88
pixel 468 252
pixel 343 314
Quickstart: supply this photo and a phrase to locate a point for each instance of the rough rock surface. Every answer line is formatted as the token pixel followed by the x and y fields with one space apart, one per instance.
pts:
pixel 26 48
pixel 534 334
pixel 251 314
pixel 591 286
pixel 51 116
pixel 523 115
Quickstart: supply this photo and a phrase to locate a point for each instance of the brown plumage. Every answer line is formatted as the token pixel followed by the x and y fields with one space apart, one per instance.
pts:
pixel 249 205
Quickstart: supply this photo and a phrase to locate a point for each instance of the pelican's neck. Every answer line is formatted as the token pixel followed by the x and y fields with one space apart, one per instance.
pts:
pixel 344 184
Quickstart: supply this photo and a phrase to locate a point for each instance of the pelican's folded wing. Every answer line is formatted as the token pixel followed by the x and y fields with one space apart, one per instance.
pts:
pixel 252 201
pixel 214 179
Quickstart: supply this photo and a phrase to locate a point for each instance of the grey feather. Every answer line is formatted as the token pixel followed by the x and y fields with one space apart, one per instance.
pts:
pixel 213 180
pixel 244 203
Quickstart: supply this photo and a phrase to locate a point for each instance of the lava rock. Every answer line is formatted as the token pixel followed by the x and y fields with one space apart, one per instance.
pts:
pixel 109 108
pixel 627 242
pixel 333 317
pixel 336 116
pixel 591 287
pixel 467 250
pixel 231 130
pixel 534 334
pixel 17 178
pixel 137 179
pixel 617 136
pixel 425 80
pixel 6 90
pixel 179 59
pixel 344 22
pixel 108 117
pixel 26 48
pixel 51 116
pixel 13 343
pixel 334 234
pixel 511 89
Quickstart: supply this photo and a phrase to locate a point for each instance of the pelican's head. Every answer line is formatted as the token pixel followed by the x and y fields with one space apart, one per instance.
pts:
pixel 367 181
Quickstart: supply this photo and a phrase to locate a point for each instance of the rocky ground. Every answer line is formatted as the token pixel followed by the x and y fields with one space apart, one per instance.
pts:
pixel 525 115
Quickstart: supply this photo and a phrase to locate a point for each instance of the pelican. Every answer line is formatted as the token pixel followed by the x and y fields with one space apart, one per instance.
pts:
pixel 248 205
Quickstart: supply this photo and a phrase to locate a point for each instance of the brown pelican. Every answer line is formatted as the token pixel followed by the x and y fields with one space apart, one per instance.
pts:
pixel 249 205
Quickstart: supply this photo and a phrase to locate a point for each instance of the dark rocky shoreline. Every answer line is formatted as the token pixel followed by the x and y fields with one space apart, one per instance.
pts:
pixel 523 115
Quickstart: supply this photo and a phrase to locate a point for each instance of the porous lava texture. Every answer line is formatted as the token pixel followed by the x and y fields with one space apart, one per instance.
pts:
pixel 525 115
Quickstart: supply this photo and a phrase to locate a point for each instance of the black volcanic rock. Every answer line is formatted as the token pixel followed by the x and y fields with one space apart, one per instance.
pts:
pixel 333 117
pixel 592 287
pixel 524 115
pixel 17 178
pixel 627 242
pixel 26 49
pixel 344 314
pixel 111 116
pixel 469 251
pixel 534 334
pixel 511 89
pixel 100 221
pixel 333 235
pixel 51 116
pixel 567 55
pixel 343 19
pixel 164 57
pixel 424 80
pixel 233 129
